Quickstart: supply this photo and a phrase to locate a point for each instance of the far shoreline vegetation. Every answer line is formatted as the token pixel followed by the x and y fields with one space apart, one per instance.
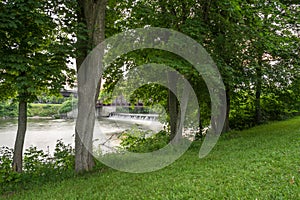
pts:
pixel 54 109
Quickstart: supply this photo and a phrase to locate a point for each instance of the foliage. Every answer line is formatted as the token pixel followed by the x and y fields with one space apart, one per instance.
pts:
pixel 273 107
pixel 68 105
pixel 34 51
pixel 35 161
pixel 259 163
pixel 7 175
pixel 43 110
pixel 136 140
pixel 38 166
pixel 253 43
pixel 63 156
pixel 8 109
pixel 105 97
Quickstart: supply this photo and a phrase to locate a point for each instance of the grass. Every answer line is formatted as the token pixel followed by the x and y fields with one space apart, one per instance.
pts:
pixel 260 163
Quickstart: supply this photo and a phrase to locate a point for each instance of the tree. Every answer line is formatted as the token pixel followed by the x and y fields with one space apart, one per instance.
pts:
pixel 175 15
pixel 33 59
pixel 91 15
pixel 270 54
pixel 252 43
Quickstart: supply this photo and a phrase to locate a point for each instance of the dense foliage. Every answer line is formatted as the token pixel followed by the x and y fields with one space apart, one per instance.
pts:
pixel 10 110
pixel 255 45
pixel 69 105
pixel 34 50
pixel 136 140
pixel 39 166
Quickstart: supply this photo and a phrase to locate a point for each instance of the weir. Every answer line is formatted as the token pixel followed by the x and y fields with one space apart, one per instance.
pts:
pixel 134 116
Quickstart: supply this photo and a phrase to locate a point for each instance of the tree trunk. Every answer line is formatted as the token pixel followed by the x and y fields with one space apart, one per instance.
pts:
pixel 176 112
pixel 173 112
pixel 199 134
pixel 181 113
pixel 258 93
pixel 17 164
pixel 226 126
pixel 92 14
pixel 172 103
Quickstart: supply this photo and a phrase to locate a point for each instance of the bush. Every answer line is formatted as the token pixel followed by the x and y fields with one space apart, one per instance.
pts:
pixel 64 156
pixel 136 140
pixel 7 175
pixel 35 160
pixel 38 167
pixel 43 110
pixel 8 109
pixel 68 105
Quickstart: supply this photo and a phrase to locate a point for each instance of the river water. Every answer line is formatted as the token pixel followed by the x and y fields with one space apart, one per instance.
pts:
pixel 43 133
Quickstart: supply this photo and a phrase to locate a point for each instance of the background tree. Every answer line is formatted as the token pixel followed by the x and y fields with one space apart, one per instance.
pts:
pixel 253 44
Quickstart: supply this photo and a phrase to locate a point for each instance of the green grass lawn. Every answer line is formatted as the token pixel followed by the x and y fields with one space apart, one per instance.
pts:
pixel 259 163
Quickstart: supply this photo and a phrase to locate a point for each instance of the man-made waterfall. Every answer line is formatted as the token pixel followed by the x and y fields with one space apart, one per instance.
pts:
pixel 134 116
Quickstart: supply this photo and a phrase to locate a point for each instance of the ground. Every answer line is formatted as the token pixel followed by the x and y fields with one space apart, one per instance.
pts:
pixel 259 163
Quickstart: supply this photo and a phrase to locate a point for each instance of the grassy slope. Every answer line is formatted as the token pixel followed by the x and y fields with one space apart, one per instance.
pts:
pixel 262 162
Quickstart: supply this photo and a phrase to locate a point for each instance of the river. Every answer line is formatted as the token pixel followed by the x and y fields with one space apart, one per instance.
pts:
pixel 43 133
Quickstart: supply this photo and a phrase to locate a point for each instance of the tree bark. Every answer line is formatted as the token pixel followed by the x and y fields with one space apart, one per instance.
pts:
pixel 258 93
pixel 226 126
pixel 17 164
pixel 172 103
pixel 92 14
pixel 181 112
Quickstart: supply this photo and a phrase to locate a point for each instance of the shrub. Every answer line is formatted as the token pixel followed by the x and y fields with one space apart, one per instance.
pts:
pixel 7 175
pixel 8 109
pixel 68 105
pixel 35 160
pixel 43 110
pixel 38 167
pixel 136 140
pixel 64 156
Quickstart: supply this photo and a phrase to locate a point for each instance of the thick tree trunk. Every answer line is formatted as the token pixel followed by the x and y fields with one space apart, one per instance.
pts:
pixel 17 164
pixel 92 14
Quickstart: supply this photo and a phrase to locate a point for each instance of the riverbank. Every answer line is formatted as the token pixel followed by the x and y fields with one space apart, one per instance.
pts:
pixel 258 163
pixel 10 111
